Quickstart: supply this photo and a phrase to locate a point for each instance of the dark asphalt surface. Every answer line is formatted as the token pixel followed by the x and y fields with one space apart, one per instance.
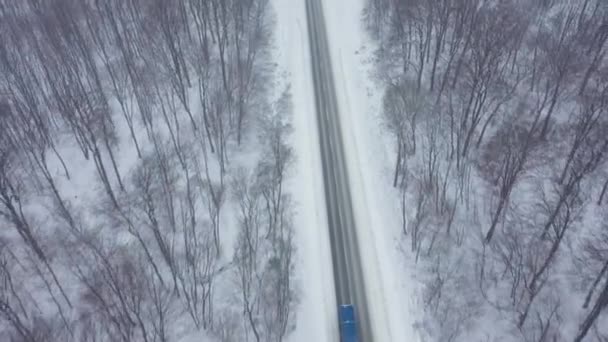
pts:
pixel 348 275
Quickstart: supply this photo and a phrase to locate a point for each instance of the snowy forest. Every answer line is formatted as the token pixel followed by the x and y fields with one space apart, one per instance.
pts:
pixel 143 152
pixel 497 111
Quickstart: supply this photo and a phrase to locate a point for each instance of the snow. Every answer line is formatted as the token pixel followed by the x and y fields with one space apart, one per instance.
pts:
pixel 316 317
pixel 391 290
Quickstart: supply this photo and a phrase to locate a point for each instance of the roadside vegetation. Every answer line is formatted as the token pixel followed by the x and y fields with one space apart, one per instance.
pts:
pixel 498 114
pixel 143 156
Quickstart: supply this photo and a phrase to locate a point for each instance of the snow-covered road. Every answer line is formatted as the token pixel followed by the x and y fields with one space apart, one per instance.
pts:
pixel 348 276
pixel 390 295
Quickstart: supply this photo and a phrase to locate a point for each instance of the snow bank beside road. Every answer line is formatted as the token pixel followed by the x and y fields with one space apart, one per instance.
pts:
pixel 316 317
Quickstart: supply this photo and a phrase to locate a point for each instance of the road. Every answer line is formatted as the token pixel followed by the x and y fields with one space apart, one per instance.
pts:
pixel 348 275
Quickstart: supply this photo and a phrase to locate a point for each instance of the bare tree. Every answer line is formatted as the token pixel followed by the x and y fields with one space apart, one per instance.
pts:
pixel 513 144
pixel 249 250
pixel 12 306
pixel 597 295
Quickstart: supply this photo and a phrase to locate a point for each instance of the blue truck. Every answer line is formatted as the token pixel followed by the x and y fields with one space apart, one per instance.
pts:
pixel 348 323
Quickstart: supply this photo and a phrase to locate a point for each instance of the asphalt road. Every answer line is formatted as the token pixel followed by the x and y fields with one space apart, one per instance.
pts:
pixel 348 275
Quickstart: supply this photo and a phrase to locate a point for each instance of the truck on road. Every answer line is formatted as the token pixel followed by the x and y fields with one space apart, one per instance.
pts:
pixel 348 324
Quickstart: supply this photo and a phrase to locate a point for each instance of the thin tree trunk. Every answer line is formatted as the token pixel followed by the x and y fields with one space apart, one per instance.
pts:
pixel 603 193
pixel 600 305
pixel 594 285
pixel 495 219
pixel 397 164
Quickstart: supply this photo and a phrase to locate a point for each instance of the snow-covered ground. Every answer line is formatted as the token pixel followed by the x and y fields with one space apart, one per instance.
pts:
pixel 316 317
pixel 171 236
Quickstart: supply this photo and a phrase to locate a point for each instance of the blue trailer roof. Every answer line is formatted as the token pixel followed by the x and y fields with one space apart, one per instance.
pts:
pixel 347 313
pixel 348 324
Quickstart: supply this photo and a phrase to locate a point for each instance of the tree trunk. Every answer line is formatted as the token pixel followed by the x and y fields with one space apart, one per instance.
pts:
pixel 600 304
pixel 397 163
pixel 603 193
pixel 497 214
pixel 594 285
